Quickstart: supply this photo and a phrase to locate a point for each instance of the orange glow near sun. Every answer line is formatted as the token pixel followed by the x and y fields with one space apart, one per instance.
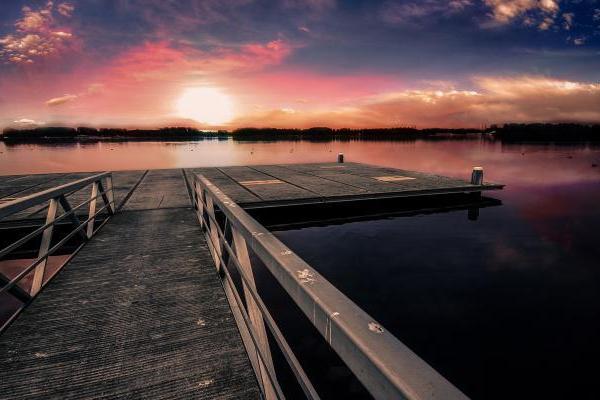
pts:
pixel 209 105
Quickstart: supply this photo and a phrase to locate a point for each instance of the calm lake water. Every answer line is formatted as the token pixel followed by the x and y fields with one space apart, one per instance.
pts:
pixel 507 306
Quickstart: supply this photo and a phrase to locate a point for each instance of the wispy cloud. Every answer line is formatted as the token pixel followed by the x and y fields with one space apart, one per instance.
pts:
pixel 61 100
pixel 411 12
pixel 531 12
pixel 315 6
pixel 26 122
pixel 65 9
pixel 568 20
pixel 92 89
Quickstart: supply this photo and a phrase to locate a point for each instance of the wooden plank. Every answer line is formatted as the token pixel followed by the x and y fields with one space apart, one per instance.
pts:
pixel 367 177
pixel 344 176
pixel 138 313
pixel 230 187
pixel 164 188
pixel 285 191
pixel 319 185
pixel 425 178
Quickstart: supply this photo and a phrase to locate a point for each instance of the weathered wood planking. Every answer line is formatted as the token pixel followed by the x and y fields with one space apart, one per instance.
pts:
pixel 365 177
pixel 272 185
pixel 317 185
pixel 267 192
pixel 230 187
pixel 161 188
pixel 139 312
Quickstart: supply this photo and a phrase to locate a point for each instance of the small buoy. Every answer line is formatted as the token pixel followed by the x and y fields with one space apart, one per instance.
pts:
pixel 594 165
pixel 569 157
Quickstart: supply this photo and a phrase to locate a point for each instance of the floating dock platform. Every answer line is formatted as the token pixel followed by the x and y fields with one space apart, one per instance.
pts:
pixel 145 306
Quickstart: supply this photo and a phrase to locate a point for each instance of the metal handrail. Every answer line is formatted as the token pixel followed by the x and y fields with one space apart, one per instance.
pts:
pixel 48 253
pixel 39 230
pixel 56 197
pixel 386 367
pixel 290 357
pixel 259 350
pixel 23 203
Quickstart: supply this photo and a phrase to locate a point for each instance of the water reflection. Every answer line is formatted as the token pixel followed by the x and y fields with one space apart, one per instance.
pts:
pixel 517 164
pixel 500 306
pixel 506 306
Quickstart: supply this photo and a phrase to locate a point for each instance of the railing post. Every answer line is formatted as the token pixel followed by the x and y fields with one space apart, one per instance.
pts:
pixel 194 196
pixel 90 225
pixel 110 194
pixel 214 244
pixel 199 195
pixel 38 275
pixel 241 252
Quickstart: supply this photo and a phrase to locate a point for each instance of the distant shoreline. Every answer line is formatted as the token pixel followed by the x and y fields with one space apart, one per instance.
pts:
pixel 507 132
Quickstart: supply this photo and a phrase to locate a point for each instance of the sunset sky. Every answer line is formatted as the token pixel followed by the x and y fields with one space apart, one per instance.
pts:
pixel 293 63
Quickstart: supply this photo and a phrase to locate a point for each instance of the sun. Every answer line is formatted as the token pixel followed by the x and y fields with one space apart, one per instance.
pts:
pixel 209 105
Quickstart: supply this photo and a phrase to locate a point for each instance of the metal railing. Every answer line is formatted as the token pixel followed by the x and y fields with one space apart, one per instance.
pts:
pixel 386 367
pixel 55 197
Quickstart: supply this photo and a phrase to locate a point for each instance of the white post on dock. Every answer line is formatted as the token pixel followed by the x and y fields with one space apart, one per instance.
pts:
pixel 340 158
pixel 477 176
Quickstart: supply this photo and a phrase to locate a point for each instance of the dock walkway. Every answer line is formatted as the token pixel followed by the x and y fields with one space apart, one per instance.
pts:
pixel 139 312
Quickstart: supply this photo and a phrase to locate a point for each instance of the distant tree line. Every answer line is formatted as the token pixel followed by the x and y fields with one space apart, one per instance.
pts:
pixel 507 132
pixel 343 133
pixel 85 133
pixel 170 133
pixel 548 132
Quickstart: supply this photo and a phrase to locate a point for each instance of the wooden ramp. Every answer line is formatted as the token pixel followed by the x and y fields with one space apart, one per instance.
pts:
pixel 139 312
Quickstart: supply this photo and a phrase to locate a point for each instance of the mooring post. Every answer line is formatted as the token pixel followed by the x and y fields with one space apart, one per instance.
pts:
pixel 473 214
pixel 477 176
pixel 340 158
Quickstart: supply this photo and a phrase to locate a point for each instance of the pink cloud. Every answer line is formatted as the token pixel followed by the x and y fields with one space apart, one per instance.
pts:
pixel 37 35
pixel 312 88
pixel 495 100
pixel 143 80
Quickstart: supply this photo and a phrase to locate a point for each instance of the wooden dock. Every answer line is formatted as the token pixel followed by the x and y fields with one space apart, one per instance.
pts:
pixel 303 184
pixel 140 311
